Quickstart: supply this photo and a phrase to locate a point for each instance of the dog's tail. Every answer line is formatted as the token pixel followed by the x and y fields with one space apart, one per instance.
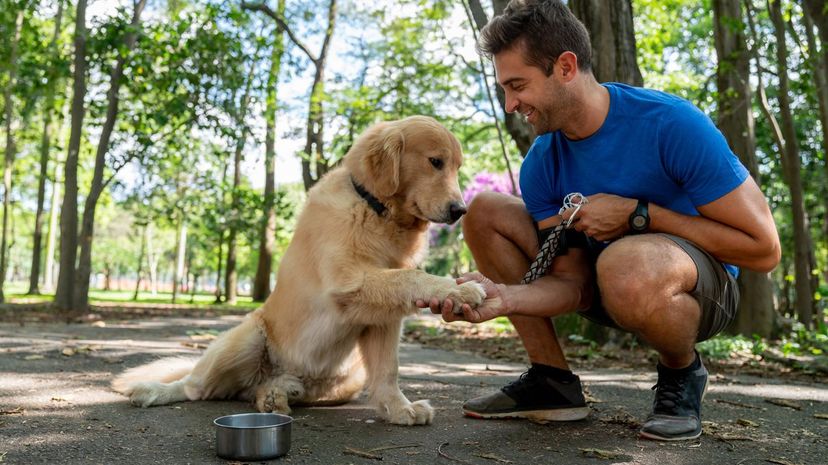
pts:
pixel 165 370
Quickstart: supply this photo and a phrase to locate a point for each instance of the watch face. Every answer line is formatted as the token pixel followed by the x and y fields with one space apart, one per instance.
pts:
pixel 639 222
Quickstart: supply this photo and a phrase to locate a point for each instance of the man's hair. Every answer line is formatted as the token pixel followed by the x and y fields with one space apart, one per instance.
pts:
pixel 545 29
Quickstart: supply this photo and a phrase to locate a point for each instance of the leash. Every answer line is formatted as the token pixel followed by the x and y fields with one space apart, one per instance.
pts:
pixel 552 245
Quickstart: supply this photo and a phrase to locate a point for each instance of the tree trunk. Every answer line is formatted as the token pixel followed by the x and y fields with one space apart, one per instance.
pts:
pixel 45 143
pixel 140 272
pixel 756 313
pixel 49 272
pixel 521 132
pixel 152 260
pixel 8 166
pixel 610 26
pixel 181 247
pixel 791 164
pixel 81 295
pixel 231 278
pixel 69 210
pixel 819 63
pixel 261 283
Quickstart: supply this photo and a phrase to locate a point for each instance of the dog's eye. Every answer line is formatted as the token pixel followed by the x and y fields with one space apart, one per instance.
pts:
pixel 436 162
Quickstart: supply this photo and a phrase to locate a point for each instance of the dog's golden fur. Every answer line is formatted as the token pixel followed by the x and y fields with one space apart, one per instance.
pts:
pixel 332 325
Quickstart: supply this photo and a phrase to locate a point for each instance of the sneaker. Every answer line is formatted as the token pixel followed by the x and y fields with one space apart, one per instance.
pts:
pixel 533 396
pixel 677 406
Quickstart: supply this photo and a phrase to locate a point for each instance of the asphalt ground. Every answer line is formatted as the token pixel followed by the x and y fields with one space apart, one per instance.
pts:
pixel 56 408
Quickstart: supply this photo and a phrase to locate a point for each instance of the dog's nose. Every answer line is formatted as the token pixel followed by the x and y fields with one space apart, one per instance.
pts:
pixel 456 210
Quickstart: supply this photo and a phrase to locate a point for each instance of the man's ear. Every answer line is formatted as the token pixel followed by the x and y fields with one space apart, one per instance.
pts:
pixel 383 161
pixel 567 63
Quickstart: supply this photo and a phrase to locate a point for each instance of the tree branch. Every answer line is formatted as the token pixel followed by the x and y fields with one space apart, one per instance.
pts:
pixel 282 24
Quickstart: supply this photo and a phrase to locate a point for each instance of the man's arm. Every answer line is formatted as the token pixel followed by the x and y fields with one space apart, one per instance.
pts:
pixel 566 287
pixel 737 228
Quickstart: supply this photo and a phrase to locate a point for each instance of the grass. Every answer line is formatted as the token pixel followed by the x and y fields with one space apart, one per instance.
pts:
pixel 16 293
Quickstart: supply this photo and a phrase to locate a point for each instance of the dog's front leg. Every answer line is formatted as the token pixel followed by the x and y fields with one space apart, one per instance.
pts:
pixel 378 345
pixel 397 290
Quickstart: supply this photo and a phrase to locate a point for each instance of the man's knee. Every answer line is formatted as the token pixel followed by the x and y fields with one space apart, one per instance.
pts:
pixel 629 280
pixel 482 213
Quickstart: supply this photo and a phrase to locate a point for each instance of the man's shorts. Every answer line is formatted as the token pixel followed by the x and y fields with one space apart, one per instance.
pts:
pixel 716 290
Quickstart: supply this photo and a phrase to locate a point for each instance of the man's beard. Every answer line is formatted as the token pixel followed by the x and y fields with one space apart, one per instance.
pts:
pixel 552 115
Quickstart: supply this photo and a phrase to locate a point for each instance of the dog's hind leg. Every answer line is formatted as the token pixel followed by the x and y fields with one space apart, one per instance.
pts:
pixel 276 395
pixel 235 361
pixel 378 345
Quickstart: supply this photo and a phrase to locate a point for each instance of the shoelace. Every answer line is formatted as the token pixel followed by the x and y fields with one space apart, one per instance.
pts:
pixel 668 395
pixel 527 377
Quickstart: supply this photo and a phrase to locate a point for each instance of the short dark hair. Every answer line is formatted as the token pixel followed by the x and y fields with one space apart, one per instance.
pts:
pixel 546 29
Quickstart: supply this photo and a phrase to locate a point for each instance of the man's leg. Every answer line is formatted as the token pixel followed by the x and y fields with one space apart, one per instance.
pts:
pixel 666 292
pixel 502 238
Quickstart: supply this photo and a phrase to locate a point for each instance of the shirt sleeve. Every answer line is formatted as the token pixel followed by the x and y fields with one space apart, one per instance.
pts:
pixel 696 155
pixel 536 183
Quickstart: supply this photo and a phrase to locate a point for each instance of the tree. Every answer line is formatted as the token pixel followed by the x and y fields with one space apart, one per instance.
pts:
pixel 231 279
pixel 84 269
pixel 756 313
pixel 8 166
pixel 789 151
pixel 45 145
pixel 610 26
pixel 521 132
pixel 64 296
pixel 261 283
pixel 314 162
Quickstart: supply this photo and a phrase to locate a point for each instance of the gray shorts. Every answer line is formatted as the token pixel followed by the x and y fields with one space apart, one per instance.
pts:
pixel 716 291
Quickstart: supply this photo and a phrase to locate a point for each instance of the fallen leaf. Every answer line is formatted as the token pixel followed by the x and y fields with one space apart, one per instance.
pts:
pixel 780 461
pixel 58 399
pixel 99 324
pixel 14 411
pixel 746 422
pixel 68 352
pixel 493 457
pixel 601 454
pixel 822 416
pixel 34 357
pixel 784 403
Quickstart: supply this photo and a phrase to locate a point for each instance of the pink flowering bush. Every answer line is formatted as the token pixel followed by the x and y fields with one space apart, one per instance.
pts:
pixel 444 239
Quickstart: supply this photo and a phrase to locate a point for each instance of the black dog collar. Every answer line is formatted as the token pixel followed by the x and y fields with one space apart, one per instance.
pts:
pixel 375 204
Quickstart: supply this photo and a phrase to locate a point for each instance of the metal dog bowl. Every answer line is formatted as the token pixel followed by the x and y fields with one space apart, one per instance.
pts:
pixel 252 436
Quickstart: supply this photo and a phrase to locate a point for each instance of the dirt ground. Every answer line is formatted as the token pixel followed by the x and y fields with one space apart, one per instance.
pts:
pixel 56 406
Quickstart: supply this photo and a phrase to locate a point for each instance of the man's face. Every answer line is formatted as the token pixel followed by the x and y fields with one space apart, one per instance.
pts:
pixel 543 100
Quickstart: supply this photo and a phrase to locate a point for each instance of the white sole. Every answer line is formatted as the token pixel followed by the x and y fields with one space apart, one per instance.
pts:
pixel 538 416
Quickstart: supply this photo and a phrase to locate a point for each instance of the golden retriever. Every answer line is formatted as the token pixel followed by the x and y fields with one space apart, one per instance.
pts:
pixel 332 325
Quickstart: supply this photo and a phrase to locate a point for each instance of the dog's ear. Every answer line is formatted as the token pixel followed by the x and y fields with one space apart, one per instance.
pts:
pixel 383 161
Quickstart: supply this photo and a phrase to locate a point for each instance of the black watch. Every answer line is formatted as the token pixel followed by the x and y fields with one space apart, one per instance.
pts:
pixel 640 218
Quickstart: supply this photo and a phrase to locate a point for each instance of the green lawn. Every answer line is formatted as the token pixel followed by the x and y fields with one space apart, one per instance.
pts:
pixel 16 293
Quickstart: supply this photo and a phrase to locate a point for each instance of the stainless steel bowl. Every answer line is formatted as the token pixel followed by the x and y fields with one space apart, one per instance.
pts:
pixel 252 436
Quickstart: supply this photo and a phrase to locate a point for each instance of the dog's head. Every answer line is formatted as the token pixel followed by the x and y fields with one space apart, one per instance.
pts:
pixel 413 163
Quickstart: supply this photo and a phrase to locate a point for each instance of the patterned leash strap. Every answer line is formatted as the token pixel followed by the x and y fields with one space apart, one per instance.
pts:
pixel 551 247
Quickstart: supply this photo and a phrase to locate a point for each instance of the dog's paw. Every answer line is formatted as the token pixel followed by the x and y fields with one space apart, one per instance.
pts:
pixel 414 413
pixel 145 394
pixel 470 292
pixel 272 400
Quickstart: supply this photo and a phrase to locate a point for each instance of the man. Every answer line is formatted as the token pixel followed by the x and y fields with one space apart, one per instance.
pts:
pixel 671 215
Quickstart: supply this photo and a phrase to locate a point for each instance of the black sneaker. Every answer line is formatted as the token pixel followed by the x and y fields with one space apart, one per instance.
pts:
pixel 677 407
pixel 534 396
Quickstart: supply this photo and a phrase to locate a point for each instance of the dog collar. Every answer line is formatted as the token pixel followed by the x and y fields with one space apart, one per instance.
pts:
pixel 375 204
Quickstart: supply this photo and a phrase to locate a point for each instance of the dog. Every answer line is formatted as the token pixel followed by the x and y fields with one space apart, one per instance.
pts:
pixel 331 327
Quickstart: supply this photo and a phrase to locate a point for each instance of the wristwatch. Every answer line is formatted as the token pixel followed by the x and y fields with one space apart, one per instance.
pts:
pixel 640 218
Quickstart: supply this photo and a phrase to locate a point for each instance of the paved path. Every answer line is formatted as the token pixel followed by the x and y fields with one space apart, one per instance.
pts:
pixel 56 408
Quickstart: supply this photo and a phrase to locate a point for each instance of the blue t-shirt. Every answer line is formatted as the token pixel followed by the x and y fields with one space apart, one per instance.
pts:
pixel 652 146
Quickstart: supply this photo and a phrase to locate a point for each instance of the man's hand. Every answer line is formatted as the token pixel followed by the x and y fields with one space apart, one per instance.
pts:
pixel 604 217
pixel 492 307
